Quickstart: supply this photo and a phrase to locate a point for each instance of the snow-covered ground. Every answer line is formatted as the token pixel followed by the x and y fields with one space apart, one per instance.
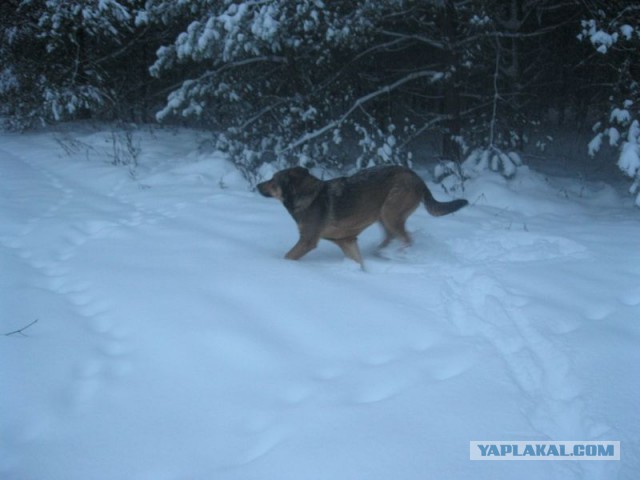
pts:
pixel 174 342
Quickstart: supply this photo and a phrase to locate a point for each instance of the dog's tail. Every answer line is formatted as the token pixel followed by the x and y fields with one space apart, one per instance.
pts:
pixel 437 209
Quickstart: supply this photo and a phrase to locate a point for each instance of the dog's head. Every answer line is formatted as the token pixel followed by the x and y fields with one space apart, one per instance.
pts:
pixel 284 183
pixel 295 187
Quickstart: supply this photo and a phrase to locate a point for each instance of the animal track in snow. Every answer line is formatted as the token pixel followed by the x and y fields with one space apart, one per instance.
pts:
pixel 263 445
pixel 631 297
pixel 297 394
pixel 48 241
pixel 538 367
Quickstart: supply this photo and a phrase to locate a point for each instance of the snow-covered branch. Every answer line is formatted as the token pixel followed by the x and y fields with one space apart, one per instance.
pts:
pixel 358 104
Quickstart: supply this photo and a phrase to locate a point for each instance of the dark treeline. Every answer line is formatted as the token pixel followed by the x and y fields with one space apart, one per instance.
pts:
pixel 290 80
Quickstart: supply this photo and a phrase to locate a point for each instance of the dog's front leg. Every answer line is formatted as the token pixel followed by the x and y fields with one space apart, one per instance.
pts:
pixel 350 248
pixel 304 246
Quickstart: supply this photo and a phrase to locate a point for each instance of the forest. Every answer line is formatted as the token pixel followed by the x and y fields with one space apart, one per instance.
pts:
pixel 475 83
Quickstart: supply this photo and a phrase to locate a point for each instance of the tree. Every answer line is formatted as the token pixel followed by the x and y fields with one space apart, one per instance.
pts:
pixel 341 83
pixel 614 31
pixel 66 60
pixel 293 79
pixel 287 81
pixel 516 84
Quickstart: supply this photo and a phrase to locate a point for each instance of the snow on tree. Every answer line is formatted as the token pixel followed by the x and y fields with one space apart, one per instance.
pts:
pixel 333 83
pixel 68 59
pixel 615 34
pixel 292 77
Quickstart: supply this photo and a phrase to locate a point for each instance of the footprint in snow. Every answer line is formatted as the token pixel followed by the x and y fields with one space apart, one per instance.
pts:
pixel 329 373
pixel 448 364
pixel 297 394
pixel 263 445
pixel 631 297
pixel 109 363
pixel 379 360
pixel 538 367
pixel 381 389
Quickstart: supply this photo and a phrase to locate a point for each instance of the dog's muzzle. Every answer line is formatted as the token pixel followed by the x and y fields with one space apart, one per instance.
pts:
pixel 270 189
pixel 264 189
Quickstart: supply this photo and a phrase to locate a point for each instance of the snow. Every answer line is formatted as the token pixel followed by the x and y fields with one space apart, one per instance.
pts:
pixel 620 115
pixel 142 18
pixel 492 158
pixel 174 342
pixel 629 160
pixel 264 24
pixel 614 136
pixel 594 145
pixel 600 39
pixel 627 31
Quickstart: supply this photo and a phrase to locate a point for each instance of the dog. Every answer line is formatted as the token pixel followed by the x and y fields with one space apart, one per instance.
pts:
pixel 339 209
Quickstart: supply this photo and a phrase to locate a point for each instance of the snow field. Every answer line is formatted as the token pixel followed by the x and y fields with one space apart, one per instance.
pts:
pixel 173 341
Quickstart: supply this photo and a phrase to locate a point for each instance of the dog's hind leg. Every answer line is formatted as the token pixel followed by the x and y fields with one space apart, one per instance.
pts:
pixel 398 206
pixel 350 248
pixel 388 236
pixel 394 228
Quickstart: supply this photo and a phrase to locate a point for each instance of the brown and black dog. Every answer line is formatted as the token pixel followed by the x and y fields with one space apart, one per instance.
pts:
pixel 339 209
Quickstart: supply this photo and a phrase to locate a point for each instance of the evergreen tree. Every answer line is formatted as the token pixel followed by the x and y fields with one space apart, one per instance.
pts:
pixel 614 31
pixel 332 83
pixel 67 60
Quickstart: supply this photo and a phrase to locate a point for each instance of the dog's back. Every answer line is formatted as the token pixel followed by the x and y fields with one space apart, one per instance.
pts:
pixel 371 188
pixel 365 191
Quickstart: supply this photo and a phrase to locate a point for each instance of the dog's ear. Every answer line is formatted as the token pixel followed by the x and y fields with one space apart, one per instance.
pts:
pixel 303 188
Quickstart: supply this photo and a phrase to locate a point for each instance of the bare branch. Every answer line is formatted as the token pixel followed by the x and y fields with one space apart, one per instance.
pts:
pixel 426 126
pixel 419 38
pixel 21 330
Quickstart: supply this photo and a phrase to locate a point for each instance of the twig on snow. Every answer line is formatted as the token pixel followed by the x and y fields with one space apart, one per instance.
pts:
pixel 21 330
